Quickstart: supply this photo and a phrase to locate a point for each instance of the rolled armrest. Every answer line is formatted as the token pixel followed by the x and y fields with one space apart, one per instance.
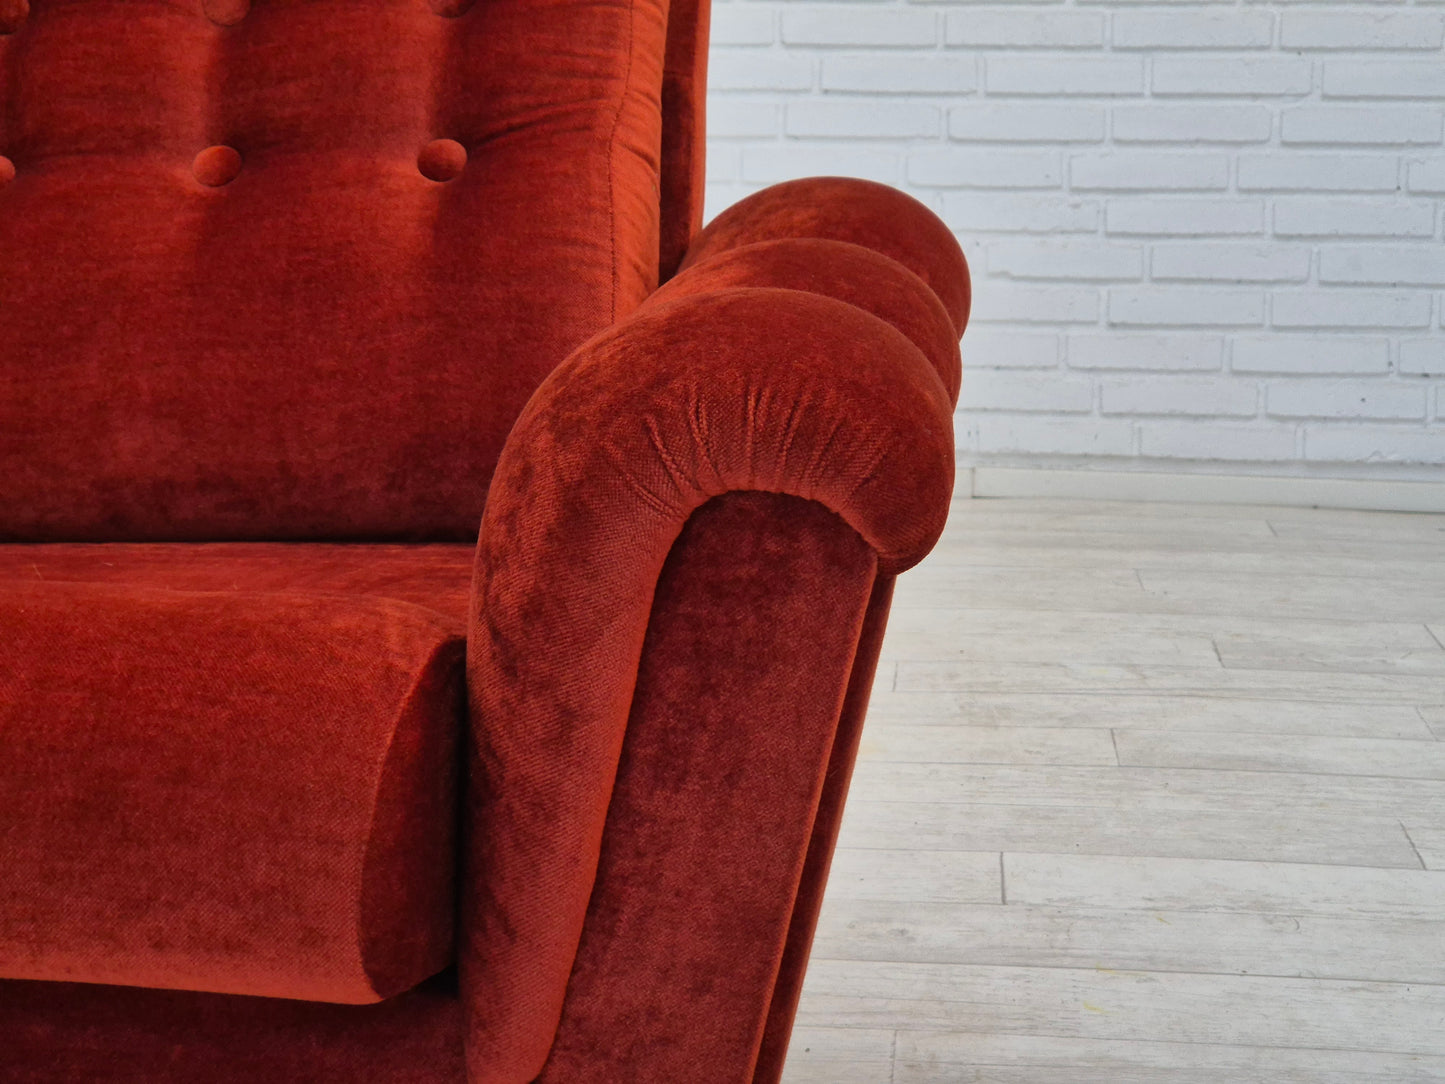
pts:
pixel 696 395
pixel 847 209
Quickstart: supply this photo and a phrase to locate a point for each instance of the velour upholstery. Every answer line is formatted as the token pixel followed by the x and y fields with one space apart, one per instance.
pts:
pixel 225 787
pixel 847 209
pixel 440 581
pixel 290 269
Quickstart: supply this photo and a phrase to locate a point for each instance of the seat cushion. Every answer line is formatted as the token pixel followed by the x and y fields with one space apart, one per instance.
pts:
pixel 290 268
pixel 230 767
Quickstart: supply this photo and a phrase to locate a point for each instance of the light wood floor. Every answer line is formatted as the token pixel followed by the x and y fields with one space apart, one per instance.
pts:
pixel 1147 793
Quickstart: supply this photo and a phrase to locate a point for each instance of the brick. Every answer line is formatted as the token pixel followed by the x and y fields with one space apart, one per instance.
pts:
pixel 773 162
pixel 1216 440
pixel 1384 265
pixel 741 120
pixel 1008 303
pixel 1005 27
pixel 1221 77
pixel 1000 389
pixel 1364 399
pixel 1185 307
pixel 1350 308
pixel 1427 176
pixel 1213 262
pixel 1422 357
pixel 1050 436
pixel 1004 347
pixel 1325 217
pixel 1214 123
pixel 1294 171
pixel 1362 30
pixel 958 167
pixel 1183 28
pixel 1145 353
pixel 844 24
pixel 1050 259
pixel 866 119
pixel 994 122
pixel 1173 306
pixel 1148 170
pixel 977 212
pixel 924 74
pixel 758 69
pixel 1384 79
pixel 1361 125
pixel 1374 444
pixel 742 24
pixel 1064 75
pixel 1182 217
pixel 1305 355
pixel 723 162
pixel 1190 396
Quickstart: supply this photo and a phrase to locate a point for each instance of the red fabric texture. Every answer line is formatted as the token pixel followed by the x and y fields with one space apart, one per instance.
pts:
pixel 826 823
pixel 847 209
pixel 860 276
pixel 283 270
pixel 71 1033
pixel 215 780
pixel 237 305
pixel 684 130
pixel 721 772
pixel 743 389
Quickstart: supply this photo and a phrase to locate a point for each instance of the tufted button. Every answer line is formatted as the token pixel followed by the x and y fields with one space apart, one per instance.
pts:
pixel 442 160
pixel 12 15
pixel 216 166
pixel 225 12
pixel 7 171
pixel 451 9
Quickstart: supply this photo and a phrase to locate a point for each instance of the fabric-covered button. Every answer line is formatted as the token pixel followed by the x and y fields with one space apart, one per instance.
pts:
pixel 12 15
pixel 216 166
pixel 451 9
pixel 442 160
pixel 225 12
pixel 7 170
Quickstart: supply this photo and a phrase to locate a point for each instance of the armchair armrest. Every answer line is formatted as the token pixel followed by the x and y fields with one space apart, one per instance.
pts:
pixel 712 387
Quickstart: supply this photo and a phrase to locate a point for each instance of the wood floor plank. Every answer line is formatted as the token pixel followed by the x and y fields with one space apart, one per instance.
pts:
pixel 1368 948
pixel 994 636
pixel 903 743
pixel 934 876
pixel 1148 712
pixel 964 1057
pixel 1255 896
pixel 824 1055
pixel 1357 561
pixel 1281 753
pixel 1358 648
pixel 1191 833
pixel 1429 841
pixel 1369 527
pixel 1132 789
pixel 1171 884
pixel 1434 717
pixel 1095 1003
pixel 1123 680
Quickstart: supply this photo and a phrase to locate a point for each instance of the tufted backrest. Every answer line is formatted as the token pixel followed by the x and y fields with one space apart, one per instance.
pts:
pixel 290 268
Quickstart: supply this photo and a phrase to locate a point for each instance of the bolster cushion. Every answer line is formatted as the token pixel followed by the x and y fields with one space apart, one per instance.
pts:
pixel 240 793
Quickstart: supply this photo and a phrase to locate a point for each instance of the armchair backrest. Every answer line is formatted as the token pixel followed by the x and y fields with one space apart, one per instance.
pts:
pixel 290 268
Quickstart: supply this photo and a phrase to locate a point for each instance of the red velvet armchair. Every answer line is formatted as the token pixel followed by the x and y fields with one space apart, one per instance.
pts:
pixel 300 780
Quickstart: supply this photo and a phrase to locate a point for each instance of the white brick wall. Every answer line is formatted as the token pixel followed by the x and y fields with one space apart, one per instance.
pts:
pixel 1201 232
